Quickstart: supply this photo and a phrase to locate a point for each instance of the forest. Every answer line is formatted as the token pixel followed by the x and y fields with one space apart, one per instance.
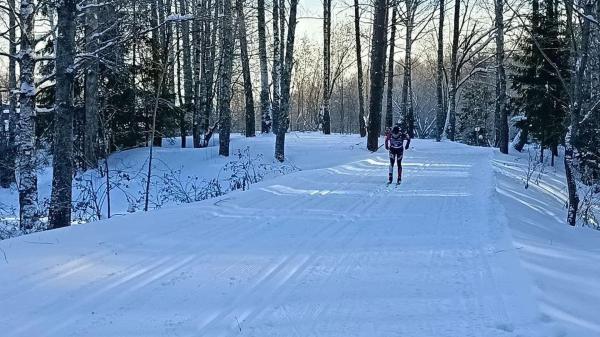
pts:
pixel 81 80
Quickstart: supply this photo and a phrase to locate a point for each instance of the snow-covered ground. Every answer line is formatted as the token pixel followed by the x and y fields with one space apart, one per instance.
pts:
pixel 460 249
pixel 564 262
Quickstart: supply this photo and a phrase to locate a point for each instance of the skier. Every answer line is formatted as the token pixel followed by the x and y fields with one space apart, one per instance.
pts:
pixel 394 142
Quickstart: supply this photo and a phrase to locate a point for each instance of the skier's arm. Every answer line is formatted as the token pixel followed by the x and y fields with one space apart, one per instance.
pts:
pixel 387 142
pixel 407 142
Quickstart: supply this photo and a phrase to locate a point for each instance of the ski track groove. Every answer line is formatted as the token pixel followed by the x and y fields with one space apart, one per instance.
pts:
pixel 327 238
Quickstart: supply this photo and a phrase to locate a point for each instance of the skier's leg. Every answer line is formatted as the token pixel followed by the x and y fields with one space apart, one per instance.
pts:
pixel 391 172
pixel 400 167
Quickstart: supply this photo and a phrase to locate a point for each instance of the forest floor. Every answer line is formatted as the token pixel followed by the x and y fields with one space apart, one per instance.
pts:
pixel 459 249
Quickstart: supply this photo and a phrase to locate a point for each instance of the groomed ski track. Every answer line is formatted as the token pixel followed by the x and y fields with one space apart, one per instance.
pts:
pixel 327 252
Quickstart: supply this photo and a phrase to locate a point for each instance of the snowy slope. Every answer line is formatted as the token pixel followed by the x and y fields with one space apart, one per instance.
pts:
pixel 564 262
pixel 189 164
pixel 321 252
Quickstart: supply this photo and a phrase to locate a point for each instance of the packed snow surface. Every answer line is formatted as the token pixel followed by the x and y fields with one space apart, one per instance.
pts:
pixel 326 251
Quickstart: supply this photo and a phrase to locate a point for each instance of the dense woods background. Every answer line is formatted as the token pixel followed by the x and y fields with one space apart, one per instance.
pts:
pixel 83 79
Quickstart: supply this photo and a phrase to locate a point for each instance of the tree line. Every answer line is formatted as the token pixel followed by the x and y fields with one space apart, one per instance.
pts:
pixel 88 78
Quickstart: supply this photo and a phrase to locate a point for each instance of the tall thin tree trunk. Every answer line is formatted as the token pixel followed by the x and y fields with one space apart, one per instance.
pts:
pixel 197 34
pixel 62 163
pixel 8 170
pixel 91 88
pixel 245 60
pixel 362 127
pixel 265 104
pixel 450 128
pixel 276 71
pixel 389 114
pixel 377 73
pixel 188 74
pixel 407 105
pixel 500 106
pixel 26 154
pixel 573 136
pixel 440 113
pixel 286 81
pixel 225 69
pixel 326 65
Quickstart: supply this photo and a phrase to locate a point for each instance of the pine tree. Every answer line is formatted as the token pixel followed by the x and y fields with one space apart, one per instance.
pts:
pixel 477 106
pixel 540 79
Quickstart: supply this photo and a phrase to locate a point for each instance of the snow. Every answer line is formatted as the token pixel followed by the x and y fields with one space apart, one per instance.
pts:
pixel 179 17
pixel 459 249
pixel 563 262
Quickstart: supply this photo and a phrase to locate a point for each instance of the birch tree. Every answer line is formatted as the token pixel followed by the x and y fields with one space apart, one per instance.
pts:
pixel 26 154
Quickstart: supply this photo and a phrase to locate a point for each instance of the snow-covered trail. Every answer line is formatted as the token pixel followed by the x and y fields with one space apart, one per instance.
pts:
pixel 328 252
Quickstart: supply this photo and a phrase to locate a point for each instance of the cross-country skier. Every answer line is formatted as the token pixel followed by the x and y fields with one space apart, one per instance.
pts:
pixel 394 142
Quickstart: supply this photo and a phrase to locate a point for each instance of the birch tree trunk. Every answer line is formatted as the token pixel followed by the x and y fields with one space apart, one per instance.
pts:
pixel 225 69
pixel 377 74
pixel 389 114
pixel 91 87
pixel 286 81
pixel 188 74
pixel 62 163
pixel 26 154
pixel 276 71
pixel 359 69
pixel 265 104
pixel 500 104
pixel 245 60
pixel 326 66
pixel 440 113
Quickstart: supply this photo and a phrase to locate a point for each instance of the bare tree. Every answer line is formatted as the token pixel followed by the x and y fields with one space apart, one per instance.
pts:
pixel 501 111
pixel 362 128
pixel 389 114
pixel 7 171
pixel 62 164
pixel 440 113
pixel 188 81
pixel 265 104
pixel 377 73
pixel 276 71
pixel 326 66
pixel 286 81
pixel 225 69
pixel 450 129
pixel 91 86
pixel 574 132
pixel 245 60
